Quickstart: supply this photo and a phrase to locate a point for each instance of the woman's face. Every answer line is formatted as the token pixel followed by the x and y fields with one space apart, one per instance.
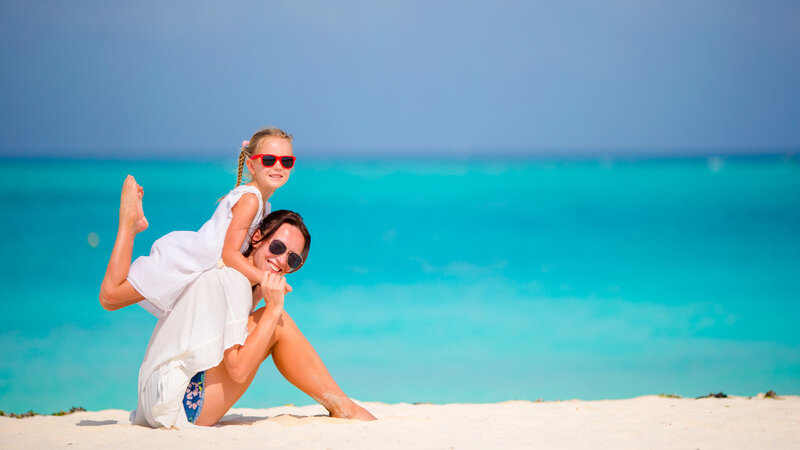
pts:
pixel 291 237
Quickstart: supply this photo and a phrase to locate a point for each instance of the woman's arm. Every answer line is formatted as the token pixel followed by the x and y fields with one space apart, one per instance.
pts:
pixel 242 360
pixel 243 213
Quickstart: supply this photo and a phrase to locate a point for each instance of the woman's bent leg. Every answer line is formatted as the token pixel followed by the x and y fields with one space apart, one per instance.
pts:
pixel 299 363
pixel 115 290
pixel 221 390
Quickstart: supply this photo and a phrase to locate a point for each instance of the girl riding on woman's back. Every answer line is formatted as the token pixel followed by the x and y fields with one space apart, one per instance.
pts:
pixel 178 258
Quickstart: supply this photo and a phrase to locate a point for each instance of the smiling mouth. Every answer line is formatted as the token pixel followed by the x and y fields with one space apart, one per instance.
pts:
pixel 273 267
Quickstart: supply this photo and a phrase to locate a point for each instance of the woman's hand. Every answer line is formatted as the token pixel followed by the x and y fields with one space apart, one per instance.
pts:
pixel 273 288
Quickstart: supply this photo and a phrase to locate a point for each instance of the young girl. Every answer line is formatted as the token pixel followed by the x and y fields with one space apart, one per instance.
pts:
pixel 178 258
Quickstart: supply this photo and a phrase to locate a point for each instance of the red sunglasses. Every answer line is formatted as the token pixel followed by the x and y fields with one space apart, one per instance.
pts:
pixel 269 160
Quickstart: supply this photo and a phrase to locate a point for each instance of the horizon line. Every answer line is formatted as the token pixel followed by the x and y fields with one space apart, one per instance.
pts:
pixel 436 155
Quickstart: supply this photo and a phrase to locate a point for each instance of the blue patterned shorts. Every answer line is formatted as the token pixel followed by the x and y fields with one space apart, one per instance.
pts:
pixel 193 399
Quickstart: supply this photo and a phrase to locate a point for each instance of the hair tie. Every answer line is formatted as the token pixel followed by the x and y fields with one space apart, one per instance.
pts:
pixel 245 144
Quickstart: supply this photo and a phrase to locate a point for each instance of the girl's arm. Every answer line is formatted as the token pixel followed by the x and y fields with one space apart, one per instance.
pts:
pixel 243 213
pixel 242 360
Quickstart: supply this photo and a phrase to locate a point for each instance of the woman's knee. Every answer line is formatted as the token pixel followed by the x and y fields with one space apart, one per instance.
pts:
pixel 285 322
pixel 284 327
pixel 255 316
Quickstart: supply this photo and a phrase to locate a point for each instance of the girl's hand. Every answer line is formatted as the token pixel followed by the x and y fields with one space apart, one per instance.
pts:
pixel 273 288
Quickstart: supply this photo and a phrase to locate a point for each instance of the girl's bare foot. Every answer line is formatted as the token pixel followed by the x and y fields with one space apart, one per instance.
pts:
pixel 140 225
pixel 130 206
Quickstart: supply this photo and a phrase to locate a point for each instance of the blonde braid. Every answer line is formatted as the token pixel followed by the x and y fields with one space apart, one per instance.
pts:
pixel 242 157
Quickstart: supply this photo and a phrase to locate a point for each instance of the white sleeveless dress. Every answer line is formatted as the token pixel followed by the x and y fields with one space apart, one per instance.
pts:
pixel 178 258
pixel 208 318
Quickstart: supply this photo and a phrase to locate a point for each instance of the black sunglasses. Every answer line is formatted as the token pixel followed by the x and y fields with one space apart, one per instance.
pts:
pixel 278 248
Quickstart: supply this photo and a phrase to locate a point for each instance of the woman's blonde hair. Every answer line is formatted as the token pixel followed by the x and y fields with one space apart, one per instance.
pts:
pixel 252 145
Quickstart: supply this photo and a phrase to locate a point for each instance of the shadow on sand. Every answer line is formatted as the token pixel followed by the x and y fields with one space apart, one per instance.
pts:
pixel 282 419
pixel 95 423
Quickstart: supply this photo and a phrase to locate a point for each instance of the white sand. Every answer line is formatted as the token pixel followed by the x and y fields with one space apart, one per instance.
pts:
pixel 644 422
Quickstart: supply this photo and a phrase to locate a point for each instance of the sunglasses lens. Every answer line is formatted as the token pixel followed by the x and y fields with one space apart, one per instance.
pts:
pixel 287 162
pixel 277 247
pixel 295 260
pixel 268 160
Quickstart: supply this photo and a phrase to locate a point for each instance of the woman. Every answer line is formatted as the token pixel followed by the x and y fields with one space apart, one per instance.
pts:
pixel 204 354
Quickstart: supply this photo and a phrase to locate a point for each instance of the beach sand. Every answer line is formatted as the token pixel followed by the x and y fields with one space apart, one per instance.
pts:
pixel 642 422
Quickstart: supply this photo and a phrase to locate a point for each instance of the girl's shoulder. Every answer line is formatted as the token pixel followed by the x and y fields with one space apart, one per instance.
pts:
pixel 246 188
pixel 237 193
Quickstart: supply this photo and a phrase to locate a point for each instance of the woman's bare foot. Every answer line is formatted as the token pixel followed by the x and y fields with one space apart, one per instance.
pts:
pixel 352 411
pixel 360 413
pixel 130 206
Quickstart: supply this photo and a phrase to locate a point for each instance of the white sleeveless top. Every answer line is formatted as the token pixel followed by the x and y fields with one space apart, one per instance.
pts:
pixel 178 258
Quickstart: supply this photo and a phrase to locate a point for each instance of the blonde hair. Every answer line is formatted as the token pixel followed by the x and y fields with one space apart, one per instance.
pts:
pixel 252 146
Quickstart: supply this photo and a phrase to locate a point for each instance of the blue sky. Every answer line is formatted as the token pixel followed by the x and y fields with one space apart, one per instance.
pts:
pixel 163 78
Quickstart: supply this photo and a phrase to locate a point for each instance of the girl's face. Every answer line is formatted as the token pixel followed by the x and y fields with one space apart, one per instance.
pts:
pixel 270 178
pixel 293 241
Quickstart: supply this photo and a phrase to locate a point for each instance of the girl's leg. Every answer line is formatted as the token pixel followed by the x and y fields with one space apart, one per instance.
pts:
pixel 115 290
pixel 296 360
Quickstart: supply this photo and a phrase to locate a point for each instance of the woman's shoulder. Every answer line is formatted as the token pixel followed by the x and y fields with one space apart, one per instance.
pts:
pixel 224 283
pixel 222 274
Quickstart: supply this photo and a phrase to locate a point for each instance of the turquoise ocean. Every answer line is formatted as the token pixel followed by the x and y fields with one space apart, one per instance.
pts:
pixel 437 281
